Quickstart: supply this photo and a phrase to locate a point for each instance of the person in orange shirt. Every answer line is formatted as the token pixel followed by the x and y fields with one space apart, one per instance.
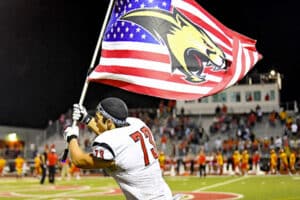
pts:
pixel 220 162
pixel 37 165
pixel 245 162
pixel 52 162
pixel 202 163
pixel 19 162
pixel 273 162
pixel 292 160
pixel 2 165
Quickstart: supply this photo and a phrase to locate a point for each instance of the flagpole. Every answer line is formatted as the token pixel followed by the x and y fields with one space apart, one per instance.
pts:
pixel 92 65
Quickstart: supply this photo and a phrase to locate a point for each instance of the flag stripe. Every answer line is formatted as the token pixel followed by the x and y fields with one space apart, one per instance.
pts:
pixel 139 46
pixel 154 83
pixel 139 55
pixel 159 62
pixel 142 64
pixel 146 90
pixel 148 73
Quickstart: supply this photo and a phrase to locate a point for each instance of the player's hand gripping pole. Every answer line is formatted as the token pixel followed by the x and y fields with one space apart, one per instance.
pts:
pixel 84 90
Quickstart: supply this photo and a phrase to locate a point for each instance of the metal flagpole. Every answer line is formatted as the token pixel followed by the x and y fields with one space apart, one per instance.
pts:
pixel 92 64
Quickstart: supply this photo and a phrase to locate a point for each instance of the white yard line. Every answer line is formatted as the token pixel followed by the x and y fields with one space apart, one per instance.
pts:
pixel 221 184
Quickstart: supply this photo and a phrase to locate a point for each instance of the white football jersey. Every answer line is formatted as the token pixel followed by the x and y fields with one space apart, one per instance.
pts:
pixel 138 172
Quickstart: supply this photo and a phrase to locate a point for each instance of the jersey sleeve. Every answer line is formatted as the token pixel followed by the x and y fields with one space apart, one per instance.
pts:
pixel 102 151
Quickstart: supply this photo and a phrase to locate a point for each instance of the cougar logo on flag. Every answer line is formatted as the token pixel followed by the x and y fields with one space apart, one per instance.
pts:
pixel 171 49
pixel 191 49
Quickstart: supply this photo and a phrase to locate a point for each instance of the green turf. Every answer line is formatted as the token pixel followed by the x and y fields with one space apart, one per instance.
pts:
pixel 89 188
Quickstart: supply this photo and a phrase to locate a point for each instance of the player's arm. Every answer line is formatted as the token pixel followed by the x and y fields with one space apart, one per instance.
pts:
pixel 86 160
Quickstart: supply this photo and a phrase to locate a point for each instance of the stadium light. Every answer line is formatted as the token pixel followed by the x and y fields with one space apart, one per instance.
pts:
pixel 12 137
pixel 272 72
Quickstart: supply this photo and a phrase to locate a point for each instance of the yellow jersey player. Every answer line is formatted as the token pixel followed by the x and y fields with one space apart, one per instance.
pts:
pixel 220 162
pixel 245 162
pixel 284 164
pixel 273 162
pixel 19 162
pixel 292 161
pixel 236 157
pixel 2 165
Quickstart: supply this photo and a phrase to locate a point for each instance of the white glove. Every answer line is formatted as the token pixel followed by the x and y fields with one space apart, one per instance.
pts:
pixel 80 114
pixel 70 133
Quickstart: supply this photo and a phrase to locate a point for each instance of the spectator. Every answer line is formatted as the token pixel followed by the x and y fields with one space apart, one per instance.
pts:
pixel 190 161
pixel 294 129
pixel 52 162
pixel 218 144
pixel 289 122
pixel 171 106
pixel 181 153
pixel 283 116
pixel 252 118
pixel 259 113
pixel 218 110
pixel 272 118
pixel 210 161
pixel 278 143
pixel 163 142
pixel 193 142
pixel 202 163
pixel 224 109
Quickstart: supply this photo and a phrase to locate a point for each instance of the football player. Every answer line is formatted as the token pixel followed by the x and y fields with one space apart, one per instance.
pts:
pixel 124 147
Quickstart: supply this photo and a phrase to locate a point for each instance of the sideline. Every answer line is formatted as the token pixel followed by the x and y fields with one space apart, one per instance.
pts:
pixel 221 184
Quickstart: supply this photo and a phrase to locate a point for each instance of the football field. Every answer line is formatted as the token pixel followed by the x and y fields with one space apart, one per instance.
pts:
pixel 209 188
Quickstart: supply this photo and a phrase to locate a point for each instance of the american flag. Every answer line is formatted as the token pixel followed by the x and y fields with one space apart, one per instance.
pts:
pixel 133 59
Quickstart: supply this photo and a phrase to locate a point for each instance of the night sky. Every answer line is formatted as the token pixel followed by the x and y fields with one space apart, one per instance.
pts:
pixel 46 47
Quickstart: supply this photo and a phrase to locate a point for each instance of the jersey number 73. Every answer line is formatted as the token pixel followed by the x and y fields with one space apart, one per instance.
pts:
pixel 144 135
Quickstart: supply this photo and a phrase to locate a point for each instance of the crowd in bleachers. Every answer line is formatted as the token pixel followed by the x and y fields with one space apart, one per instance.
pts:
pixel 182 139
pixel 228 134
